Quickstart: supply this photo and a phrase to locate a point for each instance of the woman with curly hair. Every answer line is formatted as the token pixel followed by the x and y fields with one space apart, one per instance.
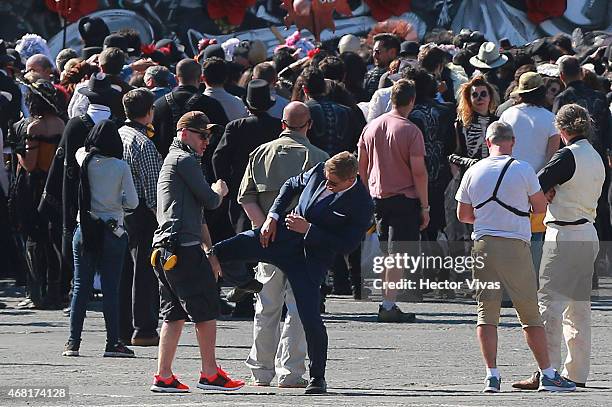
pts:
pixel 475 112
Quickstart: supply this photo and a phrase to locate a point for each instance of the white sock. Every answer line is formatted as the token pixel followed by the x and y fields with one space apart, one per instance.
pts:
pixel 388 305
pixel 492 372
pixel 548 372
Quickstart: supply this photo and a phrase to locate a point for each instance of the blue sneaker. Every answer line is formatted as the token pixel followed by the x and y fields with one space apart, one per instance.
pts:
pixel 557 383
pixel 492 385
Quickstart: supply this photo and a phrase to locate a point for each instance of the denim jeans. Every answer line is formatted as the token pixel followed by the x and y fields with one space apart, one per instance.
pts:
pixel 109 264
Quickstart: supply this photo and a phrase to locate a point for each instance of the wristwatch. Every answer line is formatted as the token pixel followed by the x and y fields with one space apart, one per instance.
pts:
pixel 426 208
pixel 210 252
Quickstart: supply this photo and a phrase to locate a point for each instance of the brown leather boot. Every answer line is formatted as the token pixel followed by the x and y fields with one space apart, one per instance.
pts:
pixel 529 384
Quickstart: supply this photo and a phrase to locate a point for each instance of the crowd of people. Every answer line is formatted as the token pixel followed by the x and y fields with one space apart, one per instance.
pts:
pixel 169 175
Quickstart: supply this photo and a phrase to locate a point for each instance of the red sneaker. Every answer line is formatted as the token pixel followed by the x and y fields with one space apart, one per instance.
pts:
pixel 169 385
pixel 219 381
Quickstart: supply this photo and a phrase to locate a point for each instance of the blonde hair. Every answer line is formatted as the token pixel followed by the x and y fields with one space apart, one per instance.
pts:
pixel 343 164
pixel 464 107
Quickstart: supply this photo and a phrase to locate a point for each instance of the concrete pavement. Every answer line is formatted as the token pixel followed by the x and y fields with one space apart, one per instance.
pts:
pixel 433 362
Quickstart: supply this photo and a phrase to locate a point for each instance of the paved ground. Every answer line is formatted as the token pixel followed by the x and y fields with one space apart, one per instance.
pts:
pixel 434 362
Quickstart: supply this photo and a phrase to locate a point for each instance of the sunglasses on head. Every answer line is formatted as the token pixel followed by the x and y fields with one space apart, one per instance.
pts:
pixel 483 94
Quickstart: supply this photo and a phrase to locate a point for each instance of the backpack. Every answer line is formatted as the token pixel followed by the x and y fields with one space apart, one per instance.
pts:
pixel 176 110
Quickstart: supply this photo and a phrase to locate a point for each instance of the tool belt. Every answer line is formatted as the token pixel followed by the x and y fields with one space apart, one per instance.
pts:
pixel 164 255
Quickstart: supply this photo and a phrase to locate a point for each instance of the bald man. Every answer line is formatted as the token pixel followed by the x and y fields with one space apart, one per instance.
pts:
pixel 268 167
pixel 41 65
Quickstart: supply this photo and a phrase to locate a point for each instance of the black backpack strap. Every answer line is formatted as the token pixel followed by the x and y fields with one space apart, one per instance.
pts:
pixel 501 177
pixel 496 190
pixel 512 209
pixel 175 109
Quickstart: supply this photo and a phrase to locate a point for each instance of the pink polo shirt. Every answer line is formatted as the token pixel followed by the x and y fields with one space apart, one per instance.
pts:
pixel 388 142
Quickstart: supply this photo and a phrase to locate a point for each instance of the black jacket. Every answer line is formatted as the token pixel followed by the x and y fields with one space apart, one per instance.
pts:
pixel 60 198
pixel 231 156
pixel 595 102
pixel 335 127
pixel 9 111
pixel 165 126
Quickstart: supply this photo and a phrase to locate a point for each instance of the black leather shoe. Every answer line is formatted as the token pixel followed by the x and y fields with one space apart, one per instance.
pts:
pixel 316 385
pixel 237 294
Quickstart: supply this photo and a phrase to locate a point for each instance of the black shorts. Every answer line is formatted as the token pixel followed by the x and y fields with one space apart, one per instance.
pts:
pixel 397 222
pixel 189 289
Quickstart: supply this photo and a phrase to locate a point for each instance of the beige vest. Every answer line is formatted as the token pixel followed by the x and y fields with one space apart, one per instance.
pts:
pixel 577 198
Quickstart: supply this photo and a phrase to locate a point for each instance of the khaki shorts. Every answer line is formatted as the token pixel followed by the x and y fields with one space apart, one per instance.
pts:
pixel 506 261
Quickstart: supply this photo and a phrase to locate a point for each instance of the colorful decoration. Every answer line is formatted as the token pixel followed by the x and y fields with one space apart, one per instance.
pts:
pixel 318 17
pixel 541 10
pixel 231 10
pixel 383 9
pixel 72 10
pixel 403 30
pixel 297 43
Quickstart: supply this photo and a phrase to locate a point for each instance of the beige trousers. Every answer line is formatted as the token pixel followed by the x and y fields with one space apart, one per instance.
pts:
pixel 277 350
pixel 566 271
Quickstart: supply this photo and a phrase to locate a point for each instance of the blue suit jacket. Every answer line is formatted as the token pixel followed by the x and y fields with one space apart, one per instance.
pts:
pixel 341 226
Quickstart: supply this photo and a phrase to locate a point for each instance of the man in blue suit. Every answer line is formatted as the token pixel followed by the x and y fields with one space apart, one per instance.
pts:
pixel 332 215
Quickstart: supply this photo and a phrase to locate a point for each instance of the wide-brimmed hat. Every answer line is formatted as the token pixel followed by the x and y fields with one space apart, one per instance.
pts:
pixel 488 57
pixel 4 57
pixel 46 91
pixel 99 90
pixel 528 82
pixel 258 95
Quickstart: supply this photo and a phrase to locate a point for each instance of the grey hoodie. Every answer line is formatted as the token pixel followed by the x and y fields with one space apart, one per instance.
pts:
pixel 182 194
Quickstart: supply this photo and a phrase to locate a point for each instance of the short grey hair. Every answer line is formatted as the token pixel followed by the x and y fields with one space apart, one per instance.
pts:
pixel 499 132
pixel 160 75
pixel 574 120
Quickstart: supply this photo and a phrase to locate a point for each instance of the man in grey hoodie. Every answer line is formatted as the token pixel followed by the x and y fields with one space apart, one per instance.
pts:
pixel 187 288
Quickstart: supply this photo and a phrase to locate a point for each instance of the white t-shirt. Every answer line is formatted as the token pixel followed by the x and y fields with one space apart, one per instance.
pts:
pixel 519 183
pixel 532 126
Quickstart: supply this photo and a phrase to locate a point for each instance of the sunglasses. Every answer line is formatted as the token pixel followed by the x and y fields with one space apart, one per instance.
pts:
pixel 204 135
pixel 483 94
